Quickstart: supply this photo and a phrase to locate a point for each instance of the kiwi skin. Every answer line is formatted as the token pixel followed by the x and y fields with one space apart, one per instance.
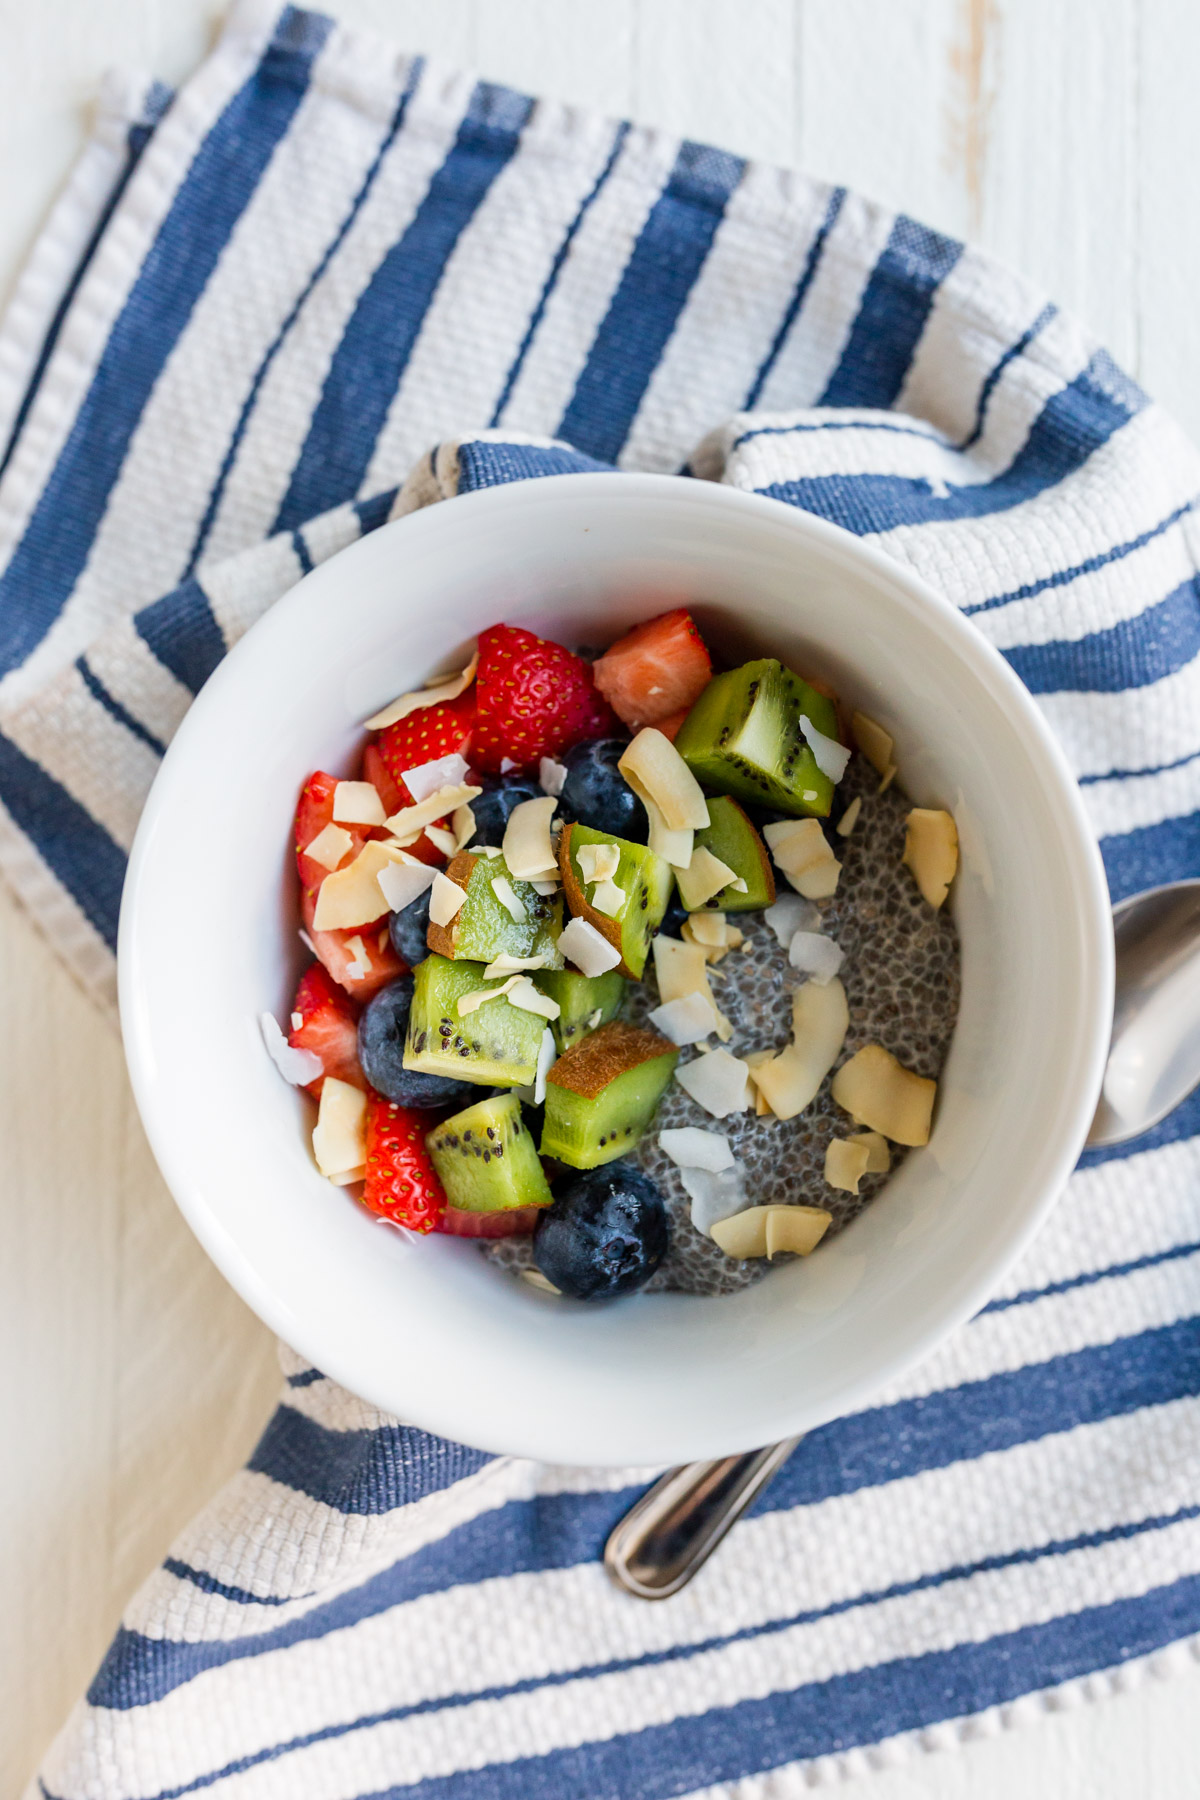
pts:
pixel 647 881
pixel 486 1159
pixel 602 1093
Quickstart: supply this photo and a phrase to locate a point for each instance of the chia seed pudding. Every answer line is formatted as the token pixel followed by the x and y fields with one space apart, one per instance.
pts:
pixel 901 977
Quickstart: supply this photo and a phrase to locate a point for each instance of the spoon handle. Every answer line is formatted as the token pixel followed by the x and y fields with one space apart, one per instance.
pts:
pixel 677 1524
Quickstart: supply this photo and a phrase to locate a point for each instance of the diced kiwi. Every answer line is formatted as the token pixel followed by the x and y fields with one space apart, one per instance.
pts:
pixel 496 1045
pixel 731 837
pixel 743 737
pixel 585 1001
pixel 484 928
pixel 601 1094
pixel 645 880
pixel 486 1159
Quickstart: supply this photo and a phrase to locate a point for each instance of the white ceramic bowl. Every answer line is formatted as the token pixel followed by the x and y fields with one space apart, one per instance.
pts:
pixel 432 1331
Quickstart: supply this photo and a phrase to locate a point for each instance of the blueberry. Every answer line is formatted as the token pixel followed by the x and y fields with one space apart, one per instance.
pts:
pixel 596 794
pixel 408 930
pixel 500 795
pixel 674 918
pixel 382 1030
pixel 605 1234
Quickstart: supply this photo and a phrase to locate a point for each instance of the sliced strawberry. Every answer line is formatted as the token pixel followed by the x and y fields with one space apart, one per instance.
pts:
pixel 401 1182
pixel 659 668
pixel 535 699
pixel 376 771
pixel 328 1027
pixel 458 1222
pixel 338 950
pixel 426 735
pixel 313 813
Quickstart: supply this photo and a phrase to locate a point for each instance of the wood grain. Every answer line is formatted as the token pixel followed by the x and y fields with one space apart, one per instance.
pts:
pixel 1064 137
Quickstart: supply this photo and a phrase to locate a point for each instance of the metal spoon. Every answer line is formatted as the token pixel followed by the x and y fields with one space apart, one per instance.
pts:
pixel 1153 1064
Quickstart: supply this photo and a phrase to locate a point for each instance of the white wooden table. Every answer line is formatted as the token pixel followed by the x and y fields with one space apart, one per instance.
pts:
pixel 1062 134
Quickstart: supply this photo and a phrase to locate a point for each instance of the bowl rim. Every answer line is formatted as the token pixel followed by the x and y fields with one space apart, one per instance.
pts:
pixel 1078 841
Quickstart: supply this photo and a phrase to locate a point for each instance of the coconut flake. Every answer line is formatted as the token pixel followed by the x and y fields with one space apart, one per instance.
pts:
pixel 875 743
pixel 845 1164
pixel 598 862
pixel 524 994
pixel 655 771
pixel 329 847
pixel 360 966
pixel 879 1155
pixel 830 756
pixel 536 1279
pixel 446 900
pixel 545 888
pixel 504 964
pixel 508 766
pixel 716 1081
pixel 686 1021
pixel 690 1147
pixel 551 776
pixel 469 1003
pixel 679 968
pixel 547 1055
pixel 528 850
pixel 703 878
pixel 441 839
pixel 931 852
pixel 816 955
pixel 509 899
pixel 790 914
pixel 349 1176
pixel 441 689
pixel 358 803
pixel 428 778
pixel 820 1020
pixel 583 945
pixel 675 847
pixel 298 1067
pixel 715 1196
pixel 404 881
pixel 770 1230
pixel 849 818
pixel 352 896
pixel 339 1137
pixel 798 847
pixel 437 806
pixel 608 898
pixel 881 1093
pixel 462 821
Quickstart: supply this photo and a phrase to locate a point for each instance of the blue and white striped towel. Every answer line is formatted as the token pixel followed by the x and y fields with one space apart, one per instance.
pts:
pixel 258 302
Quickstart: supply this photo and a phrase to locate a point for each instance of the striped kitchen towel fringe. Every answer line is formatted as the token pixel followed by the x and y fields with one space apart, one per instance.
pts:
pixel 257 306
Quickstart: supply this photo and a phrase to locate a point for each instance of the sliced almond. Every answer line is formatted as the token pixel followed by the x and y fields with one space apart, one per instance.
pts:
pixel 879 1155
pixel 771 1230
pixel 329 846
pixel 339 1137
pixel 881 1093
pixel 441 689
pixel 352 896
pixel 655 771
pixel 799 849
pixel 845 1164
pixel 446 900
pixel 703 878
pixel 931 852
pixel 528 847
pixel 438 806
pixel 875 743
pixel 357 803
pixel 849 818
